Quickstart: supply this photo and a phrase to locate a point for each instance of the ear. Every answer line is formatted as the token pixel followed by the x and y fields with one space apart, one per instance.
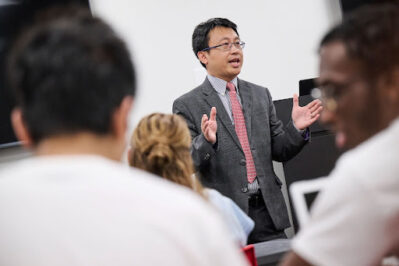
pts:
pixel 203 57
pixel 20 128
pixel 392 90
pixel 388 91
pixel 120 117
pixel 129 155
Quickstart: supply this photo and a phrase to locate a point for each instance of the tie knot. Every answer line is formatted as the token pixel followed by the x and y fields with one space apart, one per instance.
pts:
pixel 231 87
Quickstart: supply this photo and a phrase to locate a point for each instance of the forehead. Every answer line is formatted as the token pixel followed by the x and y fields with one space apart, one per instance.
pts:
pixel 335 66
pixel 218 34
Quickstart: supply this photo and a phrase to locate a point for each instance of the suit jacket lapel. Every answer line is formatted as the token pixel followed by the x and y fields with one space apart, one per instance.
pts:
pixel 212 98
pixel 246 98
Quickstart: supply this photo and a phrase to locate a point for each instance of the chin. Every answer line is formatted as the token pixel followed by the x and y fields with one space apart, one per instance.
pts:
pixel 235 72
pixel 353 143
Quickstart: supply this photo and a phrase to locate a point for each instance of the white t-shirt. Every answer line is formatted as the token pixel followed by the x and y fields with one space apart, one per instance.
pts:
pixel 349 217
pixel 88 210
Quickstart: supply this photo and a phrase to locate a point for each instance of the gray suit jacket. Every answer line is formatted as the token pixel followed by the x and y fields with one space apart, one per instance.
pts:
pixel 222 166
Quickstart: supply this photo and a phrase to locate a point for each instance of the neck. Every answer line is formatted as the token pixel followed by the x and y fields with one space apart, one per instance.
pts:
pixel 227 79
pixel 81 143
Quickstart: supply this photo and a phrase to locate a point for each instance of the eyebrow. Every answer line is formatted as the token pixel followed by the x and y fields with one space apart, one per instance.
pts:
pixel 319 83
pixel 227 39
pixel 327 81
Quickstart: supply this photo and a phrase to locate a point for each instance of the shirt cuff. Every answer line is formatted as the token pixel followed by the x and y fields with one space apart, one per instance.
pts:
pixel 305 134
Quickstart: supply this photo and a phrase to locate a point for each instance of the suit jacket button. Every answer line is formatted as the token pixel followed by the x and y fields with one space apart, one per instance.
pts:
pixel 243 162
pixel 207 156
pixel 244 189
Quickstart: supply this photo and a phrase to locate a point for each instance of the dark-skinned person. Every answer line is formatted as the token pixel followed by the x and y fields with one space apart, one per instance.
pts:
pixel 359 81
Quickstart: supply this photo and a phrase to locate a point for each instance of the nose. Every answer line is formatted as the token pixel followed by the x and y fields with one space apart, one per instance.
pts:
pixel 234 49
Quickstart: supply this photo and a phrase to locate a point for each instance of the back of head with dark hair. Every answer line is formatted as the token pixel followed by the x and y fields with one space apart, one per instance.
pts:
pixel 70 73
pixel 200 37
pixel 371 37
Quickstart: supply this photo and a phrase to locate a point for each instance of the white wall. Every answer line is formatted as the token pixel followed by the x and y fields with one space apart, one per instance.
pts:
pixel 281 35
pixel 281 42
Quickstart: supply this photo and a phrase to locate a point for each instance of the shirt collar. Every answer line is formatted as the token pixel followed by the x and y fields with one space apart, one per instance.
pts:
pixel 220 85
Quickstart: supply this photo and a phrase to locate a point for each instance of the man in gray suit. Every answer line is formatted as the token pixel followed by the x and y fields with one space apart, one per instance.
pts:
pixel 233 149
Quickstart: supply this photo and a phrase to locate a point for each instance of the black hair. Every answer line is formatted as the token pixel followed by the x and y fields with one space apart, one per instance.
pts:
pixel 200 39
pixel 371 37
pixel 70 72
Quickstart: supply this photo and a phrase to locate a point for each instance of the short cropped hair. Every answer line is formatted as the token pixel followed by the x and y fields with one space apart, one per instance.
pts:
pixel 371 37
pixel 200 39
pixel 69 73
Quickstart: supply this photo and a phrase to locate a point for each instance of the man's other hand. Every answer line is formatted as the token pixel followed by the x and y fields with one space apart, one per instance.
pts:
pixel 209 126
pixel 306 115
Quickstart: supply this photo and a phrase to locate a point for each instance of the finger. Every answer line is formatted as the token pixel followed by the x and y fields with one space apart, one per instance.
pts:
pixel 313 104
pixel 295 101
pixel 203 121
pixel 314 108
pixel 318 111
pixel 205 126
pixel 206 133
pixel 213 114
pixel 314 118
pixel 317 102
pixel 204 118
pixel 310 121
pixel 315 111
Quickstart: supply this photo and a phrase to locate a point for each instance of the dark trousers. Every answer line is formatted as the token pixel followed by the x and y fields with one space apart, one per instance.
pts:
pixel 264 228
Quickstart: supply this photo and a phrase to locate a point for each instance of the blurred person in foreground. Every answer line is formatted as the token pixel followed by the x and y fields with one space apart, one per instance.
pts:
pixel 160 144
pixel 359 80
pixel 73 202
pixel 389 255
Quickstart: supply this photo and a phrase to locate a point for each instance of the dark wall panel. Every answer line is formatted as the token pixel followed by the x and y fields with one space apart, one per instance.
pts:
pixel 13 17
pixel 316 159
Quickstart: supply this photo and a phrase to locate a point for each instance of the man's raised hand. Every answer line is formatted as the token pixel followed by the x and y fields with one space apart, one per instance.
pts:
pixel 209 126
pixel 306 115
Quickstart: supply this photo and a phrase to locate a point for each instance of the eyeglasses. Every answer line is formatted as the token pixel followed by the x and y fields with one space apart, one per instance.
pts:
pixel 227 46
pixel 327 95
pixel 331 94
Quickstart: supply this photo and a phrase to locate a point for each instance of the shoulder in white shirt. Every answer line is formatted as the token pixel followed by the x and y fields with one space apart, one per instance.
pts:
pixel 87 210
pixel 349 217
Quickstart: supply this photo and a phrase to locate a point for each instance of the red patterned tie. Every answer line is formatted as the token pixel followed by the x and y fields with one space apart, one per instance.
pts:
pixel 241 130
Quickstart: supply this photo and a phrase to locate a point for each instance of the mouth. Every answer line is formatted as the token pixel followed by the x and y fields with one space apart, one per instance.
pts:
pixel 340 139
pixel 235 62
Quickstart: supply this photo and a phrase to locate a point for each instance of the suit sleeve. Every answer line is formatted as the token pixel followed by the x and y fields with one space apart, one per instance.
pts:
pixel 286 141
pixel 201 150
